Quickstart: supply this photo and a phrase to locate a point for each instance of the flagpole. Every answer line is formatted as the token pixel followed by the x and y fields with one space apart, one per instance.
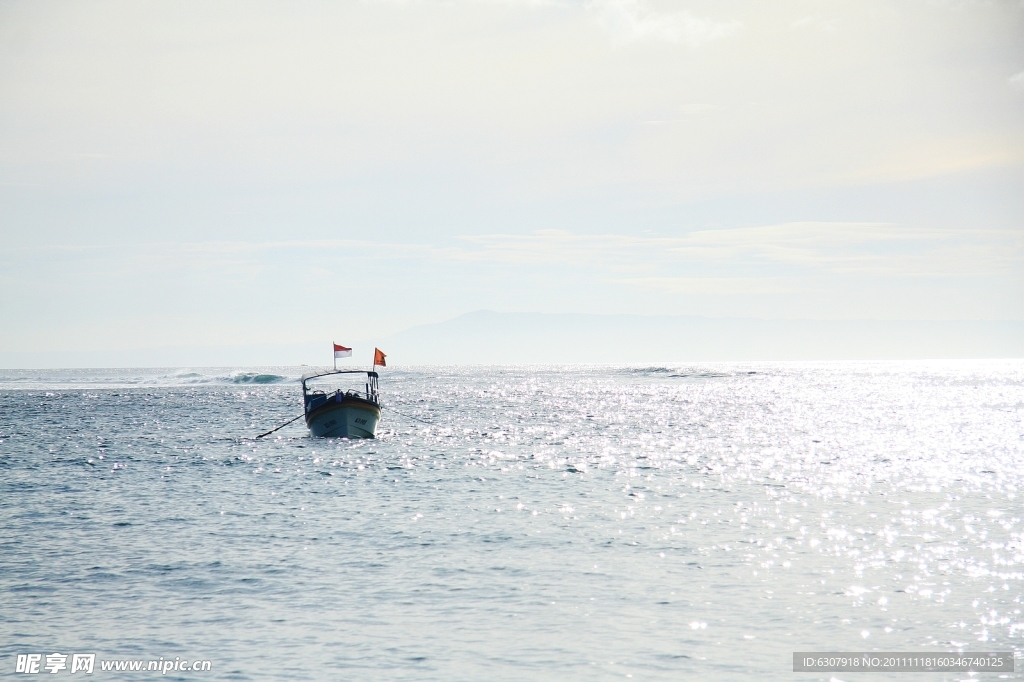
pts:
pixel 335 357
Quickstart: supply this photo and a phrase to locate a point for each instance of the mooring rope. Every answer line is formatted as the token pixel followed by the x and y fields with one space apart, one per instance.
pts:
pixel 279 427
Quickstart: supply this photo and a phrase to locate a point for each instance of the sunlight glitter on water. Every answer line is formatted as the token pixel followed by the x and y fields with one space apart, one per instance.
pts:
pixel 524 522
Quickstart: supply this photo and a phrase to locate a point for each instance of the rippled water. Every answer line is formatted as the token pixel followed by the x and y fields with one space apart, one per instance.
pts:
pixel 516 523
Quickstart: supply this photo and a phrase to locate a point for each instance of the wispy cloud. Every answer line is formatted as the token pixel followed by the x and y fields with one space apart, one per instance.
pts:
pixel 848 248
pixel 634 20
pixel 844 247
pixel 729 286
pixel 815 23
pixel 752 269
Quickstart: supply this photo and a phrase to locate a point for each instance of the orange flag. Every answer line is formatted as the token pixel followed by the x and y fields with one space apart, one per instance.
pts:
pixel 378 358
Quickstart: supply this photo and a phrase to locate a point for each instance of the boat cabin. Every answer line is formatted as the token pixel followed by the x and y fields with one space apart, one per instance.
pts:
pixel 314 396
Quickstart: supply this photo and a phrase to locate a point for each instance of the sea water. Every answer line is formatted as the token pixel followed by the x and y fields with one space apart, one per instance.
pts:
pixel 515 523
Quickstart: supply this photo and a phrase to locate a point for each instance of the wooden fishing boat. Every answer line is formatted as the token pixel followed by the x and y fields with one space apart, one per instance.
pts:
pixel 341 413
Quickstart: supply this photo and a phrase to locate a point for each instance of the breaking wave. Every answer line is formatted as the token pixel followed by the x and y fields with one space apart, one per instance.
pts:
pixel 254 378
pixel 128 378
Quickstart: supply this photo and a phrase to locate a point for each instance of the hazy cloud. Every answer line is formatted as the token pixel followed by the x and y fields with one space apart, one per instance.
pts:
pixel 438 156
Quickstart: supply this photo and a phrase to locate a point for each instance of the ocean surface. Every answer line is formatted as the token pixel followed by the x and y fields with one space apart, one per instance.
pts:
pixel 515 523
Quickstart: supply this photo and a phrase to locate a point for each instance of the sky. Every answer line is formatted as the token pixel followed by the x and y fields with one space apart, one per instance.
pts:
pixel 197 174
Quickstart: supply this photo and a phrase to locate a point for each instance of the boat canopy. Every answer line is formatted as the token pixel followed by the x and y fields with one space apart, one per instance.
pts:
pixel 327 372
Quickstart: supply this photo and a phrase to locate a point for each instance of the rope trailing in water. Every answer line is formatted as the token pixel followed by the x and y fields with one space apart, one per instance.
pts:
pixel 281 426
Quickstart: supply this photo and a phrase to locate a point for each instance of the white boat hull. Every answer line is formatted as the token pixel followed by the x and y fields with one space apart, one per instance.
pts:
pixel 345 419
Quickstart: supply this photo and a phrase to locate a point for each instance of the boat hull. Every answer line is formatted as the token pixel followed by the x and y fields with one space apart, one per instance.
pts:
pixel 347 417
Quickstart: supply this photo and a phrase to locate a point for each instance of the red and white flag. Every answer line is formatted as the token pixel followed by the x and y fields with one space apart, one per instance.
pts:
pixel 341 351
